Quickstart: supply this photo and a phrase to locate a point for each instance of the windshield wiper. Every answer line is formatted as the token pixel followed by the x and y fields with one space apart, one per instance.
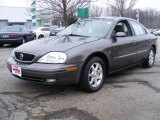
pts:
pixel 76 35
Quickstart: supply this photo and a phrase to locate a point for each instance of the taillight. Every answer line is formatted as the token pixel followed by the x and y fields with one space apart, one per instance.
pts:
pixel 12 35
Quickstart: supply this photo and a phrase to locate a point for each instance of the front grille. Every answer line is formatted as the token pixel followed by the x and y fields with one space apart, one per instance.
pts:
pixel 24 57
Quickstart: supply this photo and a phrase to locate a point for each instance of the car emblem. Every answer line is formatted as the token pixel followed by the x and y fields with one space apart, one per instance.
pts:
pixel 21 56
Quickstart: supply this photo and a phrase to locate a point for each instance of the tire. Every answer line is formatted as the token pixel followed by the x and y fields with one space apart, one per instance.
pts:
pixel 149 62
pixel 23 41
pixel 34 38
pixel 41 36
pixel 1 45
pixel 91 80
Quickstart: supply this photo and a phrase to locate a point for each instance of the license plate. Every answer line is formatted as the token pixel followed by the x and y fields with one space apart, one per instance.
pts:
pixel 5 36
pixel 16 71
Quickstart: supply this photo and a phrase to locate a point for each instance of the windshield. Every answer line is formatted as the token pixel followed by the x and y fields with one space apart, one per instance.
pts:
pixel 11 29
pixel 89 28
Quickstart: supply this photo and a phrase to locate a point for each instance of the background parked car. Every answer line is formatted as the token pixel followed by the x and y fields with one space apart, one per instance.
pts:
pixel 15 34
pixel 41 32
pixel 157 33
pixel 55 31
pixel 153 30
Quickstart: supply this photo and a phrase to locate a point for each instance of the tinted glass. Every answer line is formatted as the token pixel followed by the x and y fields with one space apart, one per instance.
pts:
pixel 89 28
pixel 138 29
pixel 123 26
pixel 11 29
pixel 45 29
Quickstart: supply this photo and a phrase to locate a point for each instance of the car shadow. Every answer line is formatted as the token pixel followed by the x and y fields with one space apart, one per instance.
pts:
pixel 9 46
pixel 51 89
pixel 122 73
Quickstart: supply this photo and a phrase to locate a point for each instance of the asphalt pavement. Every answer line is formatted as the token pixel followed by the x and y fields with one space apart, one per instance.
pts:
pixel 132 94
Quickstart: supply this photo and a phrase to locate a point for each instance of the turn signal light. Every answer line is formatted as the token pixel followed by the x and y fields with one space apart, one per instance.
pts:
pixel 71 69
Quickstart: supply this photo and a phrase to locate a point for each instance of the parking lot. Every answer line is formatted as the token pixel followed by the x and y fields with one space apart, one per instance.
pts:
pixel 132 94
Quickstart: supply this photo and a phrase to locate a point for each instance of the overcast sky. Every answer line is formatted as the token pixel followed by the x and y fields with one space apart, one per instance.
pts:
pixel 140 3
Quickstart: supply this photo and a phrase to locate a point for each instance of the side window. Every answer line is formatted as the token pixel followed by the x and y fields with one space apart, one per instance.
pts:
pixel 138 29
pixel 45 29
pixel 123 26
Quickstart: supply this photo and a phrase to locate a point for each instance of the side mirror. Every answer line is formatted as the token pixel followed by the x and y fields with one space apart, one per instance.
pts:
pixel 120 34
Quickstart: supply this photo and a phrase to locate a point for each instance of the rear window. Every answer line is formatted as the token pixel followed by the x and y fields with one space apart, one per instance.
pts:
pixel 11 29
pixel 45 29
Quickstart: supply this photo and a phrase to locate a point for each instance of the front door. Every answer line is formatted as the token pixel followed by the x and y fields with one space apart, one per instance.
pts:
pixel 123 51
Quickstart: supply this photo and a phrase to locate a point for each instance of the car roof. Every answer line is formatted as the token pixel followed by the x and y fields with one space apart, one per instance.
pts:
pixel 38 28
pixel 18 26
pixel 14 26
pixel 115 18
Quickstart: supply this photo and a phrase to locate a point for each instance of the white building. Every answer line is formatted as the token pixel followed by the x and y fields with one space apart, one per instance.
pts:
pixel 14 16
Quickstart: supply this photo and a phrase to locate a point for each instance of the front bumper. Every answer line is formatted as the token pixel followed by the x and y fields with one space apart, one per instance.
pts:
pixel 11 41
pixel 42 72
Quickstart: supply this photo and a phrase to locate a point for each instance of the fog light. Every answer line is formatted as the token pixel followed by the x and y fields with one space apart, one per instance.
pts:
pixel 51 80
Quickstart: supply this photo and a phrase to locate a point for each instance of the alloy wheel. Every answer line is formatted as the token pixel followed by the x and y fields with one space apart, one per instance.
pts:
pixel 95 75
pixel 151 57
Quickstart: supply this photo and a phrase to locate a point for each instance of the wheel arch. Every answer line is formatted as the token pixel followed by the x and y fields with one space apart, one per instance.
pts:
pixel 101 55
pixel 154 46
pixel 40 35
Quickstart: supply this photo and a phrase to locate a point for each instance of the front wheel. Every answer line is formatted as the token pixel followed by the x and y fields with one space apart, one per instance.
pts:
pixel 41 36
pixel 93 75
pixel 149 62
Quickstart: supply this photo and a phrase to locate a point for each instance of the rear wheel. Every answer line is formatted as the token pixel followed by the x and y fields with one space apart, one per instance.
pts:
pixel 41 36
pixel 149 62
pixel 93 75
pixel 34 37
pixel 23 41
pixel 1 45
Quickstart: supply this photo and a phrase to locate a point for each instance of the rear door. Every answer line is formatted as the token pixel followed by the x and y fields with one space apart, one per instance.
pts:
pixel 123 51
pixel 141 38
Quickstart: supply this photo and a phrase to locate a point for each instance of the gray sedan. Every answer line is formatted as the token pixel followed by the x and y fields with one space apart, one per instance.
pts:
pixel 85 53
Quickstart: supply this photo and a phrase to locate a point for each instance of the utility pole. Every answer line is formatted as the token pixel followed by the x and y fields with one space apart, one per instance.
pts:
pixel 33 11
pixel 137 15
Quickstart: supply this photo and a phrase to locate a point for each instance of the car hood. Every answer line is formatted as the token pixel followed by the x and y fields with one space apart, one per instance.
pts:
pixel 55 43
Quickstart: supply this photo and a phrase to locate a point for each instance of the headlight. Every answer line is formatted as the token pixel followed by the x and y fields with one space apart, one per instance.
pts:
pixel 13 53
pixel 53 57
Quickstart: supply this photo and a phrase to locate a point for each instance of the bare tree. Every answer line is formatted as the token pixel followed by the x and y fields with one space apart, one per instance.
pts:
pixel 150 18
pixel 120 7
pixel 96 11
pixel 110 11
pixel 66 9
